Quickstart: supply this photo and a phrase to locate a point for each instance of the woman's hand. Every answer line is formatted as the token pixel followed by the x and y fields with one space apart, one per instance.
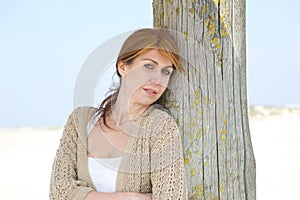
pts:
pixel 130 196
pixel 93 195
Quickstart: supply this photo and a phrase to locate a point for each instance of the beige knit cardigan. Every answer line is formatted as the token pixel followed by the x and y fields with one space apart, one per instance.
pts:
pixel 152 162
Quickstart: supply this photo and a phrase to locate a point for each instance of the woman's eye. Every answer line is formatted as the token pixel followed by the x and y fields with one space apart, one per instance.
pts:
pixel 166 72
pixel 149 66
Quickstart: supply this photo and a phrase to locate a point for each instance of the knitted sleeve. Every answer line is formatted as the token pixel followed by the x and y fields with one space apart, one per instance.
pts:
pixel 167 167
pixel 64 184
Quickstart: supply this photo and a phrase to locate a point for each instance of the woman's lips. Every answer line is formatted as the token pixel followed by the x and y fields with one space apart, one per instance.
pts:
pixel 150 91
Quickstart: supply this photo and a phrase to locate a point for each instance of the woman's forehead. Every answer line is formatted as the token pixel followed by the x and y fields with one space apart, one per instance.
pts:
pixel 155 56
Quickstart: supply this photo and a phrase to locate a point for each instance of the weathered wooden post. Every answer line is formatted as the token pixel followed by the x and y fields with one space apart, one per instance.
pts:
pixel 209 101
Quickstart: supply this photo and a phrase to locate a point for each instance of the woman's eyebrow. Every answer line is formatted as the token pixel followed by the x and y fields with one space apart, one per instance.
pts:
pixel 156 62
pixel 151 60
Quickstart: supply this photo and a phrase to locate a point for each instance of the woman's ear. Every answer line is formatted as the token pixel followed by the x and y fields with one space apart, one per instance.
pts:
pixel 122 68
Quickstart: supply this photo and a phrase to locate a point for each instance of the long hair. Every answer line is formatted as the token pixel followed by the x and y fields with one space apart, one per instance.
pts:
pixel 139 42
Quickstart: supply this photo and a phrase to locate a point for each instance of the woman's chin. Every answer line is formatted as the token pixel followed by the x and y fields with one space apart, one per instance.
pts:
pixel 145 101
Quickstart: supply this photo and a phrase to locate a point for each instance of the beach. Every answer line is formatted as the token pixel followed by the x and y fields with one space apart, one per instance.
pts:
pixel 26 156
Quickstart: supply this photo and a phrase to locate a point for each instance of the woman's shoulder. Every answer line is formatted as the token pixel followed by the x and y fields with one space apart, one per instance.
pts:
pixel 159 112
pixel 162 125
pixel 160 117
pixel 84 111
pixel 82 115
pixel 79 118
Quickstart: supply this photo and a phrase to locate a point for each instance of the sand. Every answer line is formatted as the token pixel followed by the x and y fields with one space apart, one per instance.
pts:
pixel 26 156
pixel 275 140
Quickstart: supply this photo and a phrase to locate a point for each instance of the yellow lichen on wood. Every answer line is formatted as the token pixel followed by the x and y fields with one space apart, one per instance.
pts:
pixel 199 111
pixel 203 9
pixel 193 171
pixel 205 100
pixel 196 93
pixel 170 2
pixel 185 34
pixel 192 10
pixel 197 152
pixel 223 18
pixel 188 152
pixel 198 190
pixel 202 187
pixel 220 55
pixel 220 64
pixel 215 41
pixel 227 8
pixel 212 28
pixel 186 161
pixel 197 193
pixel 216 2
pixel 191 136
pixel 207 22
pixel 224 33
pixel 221 187
pixel 192 1
pixel 177 10
pixel 223 138
pixel 198 101
pixel 225 26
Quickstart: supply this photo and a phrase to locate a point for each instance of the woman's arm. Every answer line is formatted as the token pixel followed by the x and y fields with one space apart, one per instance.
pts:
pixel 64 183
pixel 117 196
pixel 167 167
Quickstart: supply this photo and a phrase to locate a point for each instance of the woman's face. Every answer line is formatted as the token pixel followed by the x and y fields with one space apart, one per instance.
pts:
pixel 146 78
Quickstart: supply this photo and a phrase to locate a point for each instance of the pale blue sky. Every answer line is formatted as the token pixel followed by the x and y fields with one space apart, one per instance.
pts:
pixel 43 44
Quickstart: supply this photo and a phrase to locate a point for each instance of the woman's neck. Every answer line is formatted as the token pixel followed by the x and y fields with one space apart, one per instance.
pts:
pixel 124 111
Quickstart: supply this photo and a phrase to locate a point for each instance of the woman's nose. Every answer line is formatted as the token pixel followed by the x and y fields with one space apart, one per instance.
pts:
pixel 158 79
pixel 155 80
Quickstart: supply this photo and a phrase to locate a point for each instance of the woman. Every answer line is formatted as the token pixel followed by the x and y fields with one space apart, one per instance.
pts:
pixel 128 148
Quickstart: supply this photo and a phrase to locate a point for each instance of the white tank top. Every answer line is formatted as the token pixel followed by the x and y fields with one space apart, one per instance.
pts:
pixel 103 171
